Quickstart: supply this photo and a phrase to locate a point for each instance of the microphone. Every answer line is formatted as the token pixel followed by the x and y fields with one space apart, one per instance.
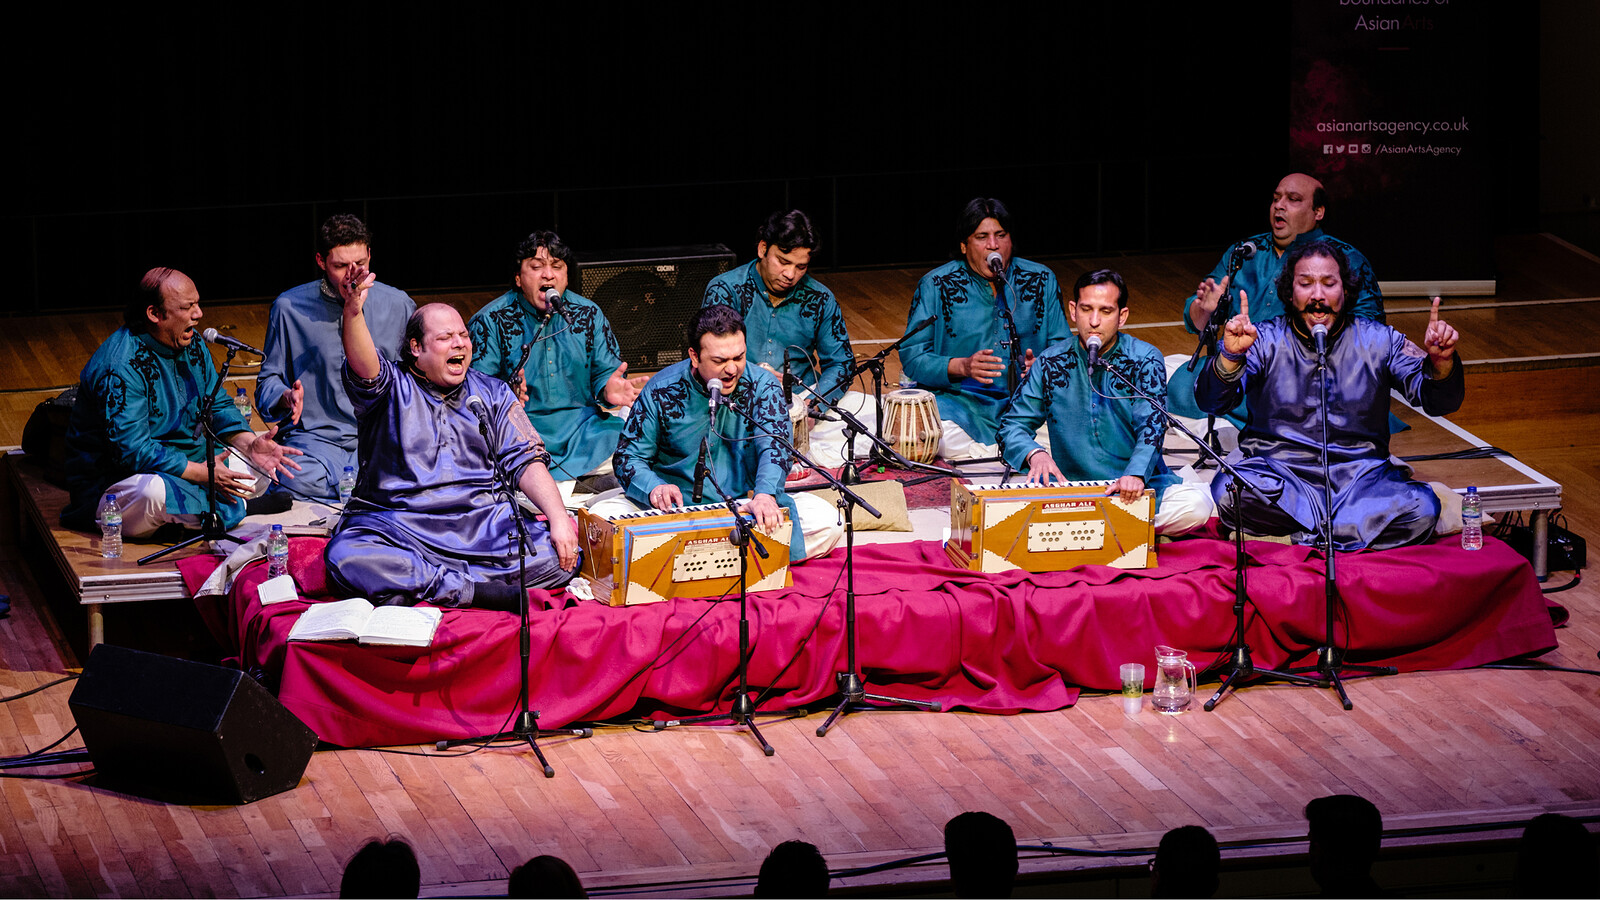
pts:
pixel 1319 331
pixel 714 386
pixel 700 476
pixel 1245 249
pixel 1093 343
pixel 481 410
pixel 997 265
pixel 553 297
pixel 212 336
pixel 921 325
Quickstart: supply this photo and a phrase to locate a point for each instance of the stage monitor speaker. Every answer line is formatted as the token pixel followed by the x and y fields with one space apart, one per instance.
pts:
pixel 185 730
pixel 648 296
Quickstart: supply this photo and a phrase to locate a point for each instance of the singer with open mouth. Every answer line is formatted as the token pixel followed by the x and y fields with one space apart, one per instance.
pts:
pixel 1277 364
pixel 979 301
pixel 557 351
pixel 1294 216
pixel 135 429
pixel 1098 430
pixel 427 521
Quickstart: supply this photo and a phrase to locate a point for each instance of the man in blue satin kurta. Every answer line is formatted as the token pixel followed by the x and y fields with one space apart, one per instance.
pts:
pixel 792 323
pixel 1299 204
pixel 1099 431
pixel 963 356
pixel 136 423
pixel 1275 365
pixel 300 381
pixel 427 522
pixel 574 370
pixel 658 455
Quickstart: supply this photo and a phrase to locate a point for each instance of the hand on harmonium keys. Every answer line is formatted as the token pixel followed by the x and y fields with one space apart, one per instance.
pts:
pixel 666 497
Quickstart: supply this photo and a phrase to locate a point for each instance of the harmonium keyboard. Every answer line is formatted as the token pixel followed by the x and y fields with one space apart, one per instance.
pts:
pixel 650 556
pixel 998 527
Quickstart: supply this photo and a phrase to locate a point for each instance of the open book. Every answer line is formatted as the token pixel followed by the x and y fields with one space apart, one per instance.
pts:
pixel 356 619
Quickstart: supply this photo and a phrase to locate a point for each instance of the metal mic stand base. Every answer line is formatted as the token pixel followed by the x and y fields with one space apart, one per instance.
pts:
pixel 855 694
pixel 526 730
pixel 211 529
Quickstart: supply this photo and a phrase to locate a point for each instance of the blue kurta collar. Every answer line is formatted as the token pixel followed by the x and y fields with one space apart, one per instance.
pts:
pixel 161 349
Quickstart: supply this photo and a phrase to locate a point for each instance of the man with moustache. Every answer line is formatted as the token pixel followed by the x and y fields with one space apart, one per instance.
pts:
pixel 1299 205
pixel 659 452
pixel 1098 430
pixel 1275 365
pixel 789 317
pixel 426 522
pixel 299 382
pixel 963 356
pixel 135 428
pixel 574 371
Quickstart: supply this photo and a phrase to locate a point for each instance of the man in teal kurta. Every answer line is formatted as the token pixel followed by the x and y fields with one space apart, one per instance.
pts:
pixel 963 356
pixel 573 371
pixel 135 429
pixel 792 323
pixel 1099 430
pixel 1299 204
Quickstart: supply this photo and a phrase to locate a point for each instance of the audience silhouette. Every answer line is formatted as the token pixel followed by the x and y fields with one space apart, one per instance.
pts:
pixel 386 868
pixel 983 855
pixel 544 877
pixel 1345 834
pixel 793 869
pixel 1185 864
pixel 1557 858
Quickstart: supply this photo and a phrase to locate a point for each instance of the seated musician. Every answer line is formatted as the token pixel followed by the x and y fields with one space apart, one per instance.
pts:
pixel 963 356
pixel 573 371
pixel 797 316
pixel 1295 215
pixel 425 523
pixel 1274 365
pixel 1098 430
pixel 657 457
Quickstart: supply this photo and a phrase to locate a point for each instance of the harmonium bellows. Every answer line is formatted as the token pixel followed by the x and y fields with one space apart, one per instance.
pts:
pixel 999 527
pixel 650 556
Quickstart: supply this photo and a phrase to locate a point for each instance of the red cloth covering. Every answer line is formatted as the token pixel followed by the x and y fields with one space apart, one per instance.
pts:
pixel 926 630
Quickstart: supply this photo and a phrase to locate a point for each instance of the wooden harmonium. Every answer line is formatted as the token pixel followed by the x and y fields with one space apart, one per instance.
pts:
pixel 999 527
pixel 650 556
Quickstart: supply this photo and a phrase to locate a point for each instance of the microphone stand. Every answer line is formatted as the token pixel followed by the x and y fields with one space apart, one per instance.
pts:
pixel 874 364
pixel 1330 657
pixel 1240 665
pixel 1013 341
pixel 527 724
pixel 211 528
pixel 743 711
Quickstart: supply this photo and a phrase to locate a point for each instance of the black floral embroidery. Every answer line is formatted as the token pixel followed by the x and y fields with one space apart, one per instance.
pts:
pixel 148 367
pixel 952 287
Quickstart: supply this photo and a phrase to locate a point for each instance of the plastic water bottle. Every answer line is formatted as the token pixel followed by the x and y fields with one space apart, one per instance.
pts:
pixel 111 528
pixel 277 553
pixel 347 484
pixel 1471 521
pixel 241 402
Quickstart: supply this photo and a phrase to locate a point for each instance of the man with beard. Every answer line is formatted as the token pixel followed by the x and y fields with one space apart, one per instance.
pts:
pixel 1275 365
pixel 426 522
pixel 299 381
pixel 1098 430
pixel 573 370
pixel 1295 215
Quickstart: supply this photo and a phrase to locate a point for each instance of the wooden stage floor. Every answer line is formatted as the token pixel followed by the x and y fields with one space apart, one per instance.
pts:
pixel 693 811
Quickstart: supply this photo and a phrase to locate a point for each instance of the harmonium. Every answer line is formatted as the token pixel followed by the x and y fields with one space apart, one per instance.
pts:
pixel 1047 528
pixel 650 556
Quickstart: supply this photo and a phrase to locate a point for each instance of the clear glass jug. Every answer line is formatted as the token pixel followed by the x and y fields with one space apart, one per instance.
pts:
pixel 1175 681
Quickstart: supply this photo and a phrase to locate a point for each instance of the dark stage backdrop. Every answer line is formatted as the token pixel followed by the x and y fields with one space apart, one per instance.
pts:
pixel 217 141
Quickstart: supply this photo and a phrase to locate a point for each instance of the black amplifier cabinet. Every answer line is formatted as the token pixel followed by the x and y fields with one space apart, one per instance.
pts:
pixel 648 294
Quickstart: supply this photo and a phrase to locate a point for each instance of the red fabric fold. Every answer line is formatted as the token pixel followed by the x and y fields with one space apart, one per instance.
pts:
pixel 926 631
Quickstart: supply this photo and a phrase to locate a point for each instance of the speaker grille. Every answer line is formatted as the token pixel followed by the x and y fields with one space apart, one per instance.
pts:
pixel 648 296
